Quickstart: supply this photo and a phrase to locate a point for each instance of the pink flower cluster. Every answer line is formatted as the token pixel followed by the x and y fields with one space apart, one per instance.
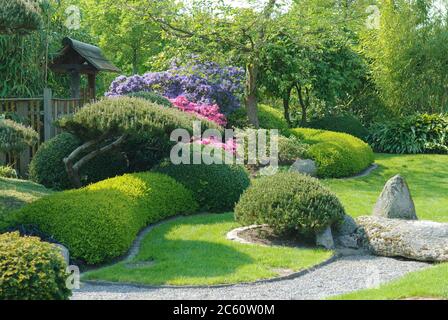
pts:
pixel 210 112
pixel 229 146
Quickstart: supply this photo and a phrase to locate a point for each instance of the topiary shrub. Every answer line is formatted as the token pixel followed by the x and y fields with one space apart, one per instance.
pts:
pixel 16 137
pixel 114 124
pixel 268 118
pixel 19 16
pixel 343 123
pixel 336 154
pixel 423 133
pixel 151 97
pixel 289 202
pixel 216 187
pixel 8 172
pixel 290 149
pixel 31 269
pixel 271 118
pixel 99 222
pixel 47 166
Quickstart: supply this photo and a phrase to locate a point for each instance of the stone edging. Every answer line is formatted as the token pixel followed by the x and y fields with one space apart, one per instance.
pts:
pixel 363 173
pixel 133 251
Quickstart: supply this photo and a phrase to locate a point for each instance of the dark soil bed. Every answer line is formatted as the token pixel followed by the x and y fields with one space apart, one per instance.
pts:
pixel 264 235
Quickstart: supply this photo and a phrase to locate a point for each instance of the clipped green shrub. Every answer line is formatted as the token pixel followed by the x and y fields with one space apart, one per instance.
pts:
pixel 268 117
pixel 423 133
pixel 290 149
pixel 216 187
pixel 16 137
pixel 336 154
pixel 31 269
pixel 99 222
pixel 289 202
pixel 47 166
pixel 151 97
pixel 343 123
pixel 8 172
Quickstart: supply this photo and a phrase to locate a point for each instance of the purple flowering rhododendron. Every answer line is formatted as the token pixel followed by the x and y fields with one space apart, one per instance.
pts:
pixel 209 112
pixel 202 83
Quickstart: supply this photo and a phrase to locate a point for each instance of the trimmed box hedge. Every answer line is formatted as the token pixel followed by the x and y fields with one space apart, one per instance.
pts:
pixel 99 222
pixel 337 154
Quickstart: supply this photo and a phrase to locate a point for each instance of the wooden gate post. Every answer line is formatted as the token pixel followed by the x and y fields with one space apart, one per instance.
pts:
pixel 48 115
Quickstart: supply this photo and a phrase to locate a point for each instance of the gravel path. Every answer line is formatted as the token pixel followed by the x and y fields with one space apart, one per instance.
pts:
pixel 346 274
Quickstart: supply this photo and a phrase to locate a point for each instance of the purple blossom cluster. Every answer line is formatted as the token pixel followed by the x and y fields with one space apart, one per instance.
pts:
pixel 203 83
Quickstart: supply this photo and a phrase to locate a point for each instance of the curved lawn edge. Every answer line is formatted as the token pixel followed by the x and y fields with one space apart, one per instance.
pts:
pixel 291 276
pixel 135 248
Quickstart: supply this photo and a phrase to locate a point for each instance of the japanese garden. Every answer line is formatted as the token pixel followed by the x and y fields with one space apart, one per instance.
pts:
pixel 208 149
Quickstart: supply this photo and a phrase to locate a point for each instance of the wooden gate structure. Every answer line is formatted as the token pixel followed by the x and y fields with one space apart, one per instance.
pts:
pixel 75 59
pixel 40 114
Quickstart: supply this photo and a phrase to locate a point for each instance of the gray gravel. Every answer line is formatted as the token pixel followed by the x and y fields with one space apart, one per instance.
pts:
pixel 347 274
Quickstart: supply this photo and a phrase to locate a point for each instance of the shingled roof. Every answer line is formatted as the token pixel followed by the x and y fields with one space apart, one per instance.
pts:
pixel 88 56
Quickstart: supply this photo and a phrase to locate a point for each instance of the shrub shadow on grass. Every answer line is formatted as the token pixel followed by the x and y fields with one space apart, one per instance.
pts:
pixel 180 259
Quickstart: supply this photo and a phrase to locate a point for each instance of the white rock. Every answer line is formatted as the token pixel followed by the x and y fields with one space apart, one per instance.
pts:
pixel 304 166
pixel 395 201
pixel 416 240
pixel 325 239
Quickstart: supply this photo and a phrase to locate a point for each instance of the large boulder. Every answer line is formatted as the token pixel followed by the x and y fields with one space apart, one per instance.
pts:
pixel 345 233
pixel 416 240
pixel 306 166
pixel 325 239
pixel 395 201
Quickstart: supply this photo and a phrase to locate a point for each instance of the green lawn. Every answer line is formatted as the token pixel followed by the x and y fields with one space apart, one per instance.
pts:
pixel 16 193
pixel 427 176
pixel 194 251
pixel 430 283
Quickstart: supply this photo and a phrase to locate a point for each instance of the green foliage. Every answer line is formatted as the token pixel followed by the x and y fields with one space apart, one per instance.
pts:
pixel 290 149
pixel 336 154
pixel 152 97
pixel 289 202
pixel 133 117
pixel 15 137
pixel 422 133
pixel 47 166
pixel 407 56
pixel 344 123
pixel 271 118
pixel 8 172
pixel 99 222
pixel 19 16
pixel 268 117
pixel 31 269
pixel 216 187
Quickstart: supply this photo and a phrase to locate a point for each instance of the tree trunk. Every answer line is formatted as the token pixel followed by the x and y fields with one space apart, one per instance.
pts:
pixel 286 99
pixel 303 105
pixel 251 93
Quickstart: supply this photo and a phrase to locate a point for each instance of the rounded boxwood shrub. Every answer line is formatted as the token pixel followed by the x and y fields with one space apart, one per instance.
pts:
pixel 99 222
pixel 268 118
pixel 290 149
pixel 31 269
pixel 343 123
pixel 47 166
pixel 152 97
pixel 216 187
pixel 336 154
pixel 289 202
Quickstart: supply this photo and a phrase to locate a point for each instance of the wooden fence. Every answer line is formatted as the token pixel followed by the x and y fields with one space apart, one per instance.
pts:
pixel 39 113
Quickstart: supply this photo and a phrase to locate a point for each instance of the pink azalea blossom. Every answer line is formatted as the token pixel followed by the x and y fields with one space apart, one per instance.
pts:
pixel 209 112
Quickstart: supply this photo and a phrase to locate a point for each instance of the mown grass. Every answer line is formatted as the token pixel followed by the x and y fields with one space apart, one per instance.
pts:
pixel 429 283
pixel 16 193
pixel 194 251
pixel 427 176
